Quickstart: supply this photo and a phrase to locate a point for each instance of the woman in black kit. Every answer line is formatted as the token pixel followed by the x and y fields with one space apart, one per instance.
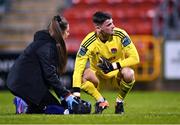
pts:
pixel 38 69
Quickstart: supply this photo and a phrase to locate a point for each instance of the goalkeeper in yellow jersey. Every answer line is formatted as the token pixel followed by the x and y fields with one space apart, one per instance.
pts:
pixel 110 53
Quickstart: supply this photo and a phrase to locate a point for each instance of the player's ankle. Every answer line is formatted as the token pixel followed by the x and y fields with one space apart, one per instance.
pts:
pixel 101 99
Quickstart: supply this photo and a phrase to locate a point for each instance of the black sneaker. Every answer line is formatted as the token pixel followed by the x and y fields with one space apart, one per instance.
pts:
pixel 119 108
pixel 100 106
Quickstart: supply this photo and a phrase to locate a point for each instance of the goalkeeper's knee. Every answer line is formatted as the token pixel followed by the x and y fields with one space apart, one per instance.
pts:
pixel 128 74
pixel 89 75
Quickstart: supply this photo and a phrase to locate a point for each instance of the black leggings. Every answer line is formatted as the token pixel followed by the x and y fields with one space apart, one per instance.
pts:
pixel 48 99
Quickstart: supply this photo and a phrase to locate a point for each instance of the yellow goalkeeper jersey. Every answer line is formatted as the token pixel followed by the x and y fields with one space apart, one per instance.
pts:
pixel 119 48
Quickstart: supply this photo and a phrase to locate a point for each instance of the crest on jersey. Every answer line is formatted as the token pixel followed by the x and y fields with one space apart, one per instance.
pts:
pixel 126 41
pixel 82 51
pixel 114 50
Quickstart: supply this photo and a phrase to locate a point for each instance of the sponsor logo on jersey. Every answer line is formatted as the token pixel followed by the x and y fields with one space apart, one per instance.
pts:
pixel 114 50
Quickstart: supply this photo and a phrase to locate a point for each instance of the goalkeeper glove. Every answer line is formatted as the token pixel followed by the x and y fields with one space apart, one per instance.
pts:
pixel 106 66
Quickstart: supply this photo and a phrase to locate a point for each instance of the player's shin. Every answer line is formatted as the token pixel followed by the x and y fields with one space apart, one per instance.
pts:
pixel 91 89
pixel 124 88
pixel 101 103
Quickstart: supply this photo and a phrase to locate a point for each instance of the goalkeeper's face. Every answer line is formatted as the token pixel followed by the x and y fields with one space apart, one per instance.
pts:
pixel 107 27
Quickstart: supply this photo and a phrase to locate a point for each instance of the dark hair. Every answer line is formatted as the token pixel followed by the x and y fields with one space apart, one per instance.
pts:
pixel 59 25
pixel 99 17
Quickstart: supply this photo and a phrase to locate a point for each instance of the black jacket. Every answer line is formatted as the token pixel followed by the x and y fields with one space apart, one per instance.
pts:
pixel 35 70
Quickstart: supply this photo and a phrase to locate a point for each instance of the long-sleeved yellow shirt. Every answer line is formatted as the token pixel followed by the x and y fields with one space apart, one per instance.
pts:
pixel 119 48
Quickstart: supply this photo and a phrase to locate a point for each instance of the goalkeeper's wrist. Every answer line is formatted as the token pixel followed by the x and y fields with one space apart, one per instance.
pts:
pixel 116 65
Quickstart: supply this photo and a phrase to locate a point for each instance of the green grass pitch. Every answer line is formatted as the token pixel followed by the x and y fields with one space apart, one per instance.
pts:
pixel 140 108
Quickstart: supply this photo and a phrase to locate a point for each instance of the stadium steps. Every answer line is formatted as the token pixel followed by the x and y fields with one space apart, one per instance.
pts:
pixel 23 20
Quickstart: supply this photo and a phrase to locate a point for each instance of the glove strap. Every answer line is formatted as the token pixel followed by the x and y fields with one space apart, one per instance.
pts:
pixel 116 65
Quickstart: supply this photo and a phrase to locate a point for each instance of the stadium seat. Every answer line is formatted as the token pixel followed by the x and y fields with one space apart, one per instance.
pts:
pixel 135 16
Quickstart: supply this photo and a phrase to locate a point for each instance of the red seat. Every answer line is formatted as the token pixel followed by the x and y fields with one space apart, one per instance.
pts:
pixel 135 16
pixel 78 2
pixel 80 28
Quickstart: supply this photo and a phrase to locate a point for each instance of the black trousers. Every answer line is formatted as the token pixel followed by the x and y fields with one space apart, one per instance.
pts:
pixel 48 99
